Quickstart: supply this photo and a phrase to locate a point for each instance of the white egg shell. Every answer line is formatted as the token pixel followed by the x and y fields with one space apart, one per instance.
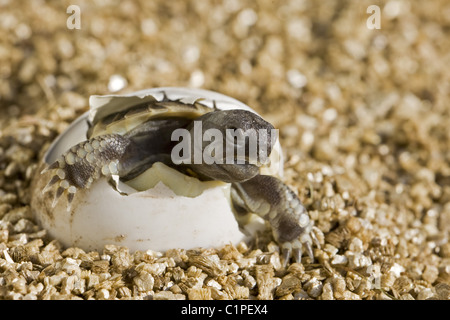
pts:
pixel 156 219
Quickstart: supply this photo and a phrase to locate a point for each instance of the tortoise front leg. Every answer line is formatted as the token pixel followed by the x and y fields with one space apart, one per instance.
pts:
pixel 274 201
pixel 86 162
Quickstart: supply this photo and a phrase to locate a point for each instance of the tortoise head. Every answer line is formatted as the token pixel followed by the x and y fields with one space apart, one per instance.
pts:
pixel 233 144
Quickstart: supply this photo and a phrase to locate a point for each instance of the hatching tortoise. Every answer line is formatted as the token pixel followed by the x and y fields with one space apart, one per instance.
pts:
pixel 124 141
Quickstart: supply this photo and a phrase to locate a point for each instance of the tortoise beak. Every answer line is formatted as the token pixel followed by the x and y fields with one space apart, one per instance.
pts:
pixel 250 146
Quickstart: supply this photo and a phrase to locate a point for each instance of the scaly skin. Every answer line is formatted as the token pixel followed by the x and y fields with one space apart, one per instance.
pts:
pixel 123 155
pixel 274 201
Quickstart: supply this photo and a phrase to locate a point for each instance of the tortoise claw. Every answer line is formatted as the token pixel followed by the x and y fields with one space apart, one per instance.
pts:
pixel 297 253
pixel 62 187
pixel 309 250
pixel 54 165
pixel 286 254
pixel 49 185
pixel 314 236
pixel 296 248
pixel 58 194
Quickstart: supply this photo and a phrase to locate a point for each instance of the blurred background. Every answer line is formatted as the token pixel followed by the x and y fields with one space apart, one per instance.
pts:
pixel 271 54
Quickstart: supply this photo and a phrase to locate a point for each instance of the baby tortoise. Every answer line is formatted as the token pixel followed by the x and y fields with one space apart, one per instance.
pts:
pixel 126 141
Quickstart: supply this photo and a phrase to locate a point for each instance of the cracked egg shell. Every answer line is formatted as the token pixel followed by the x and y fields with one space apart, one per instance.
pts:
pixel 172 211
